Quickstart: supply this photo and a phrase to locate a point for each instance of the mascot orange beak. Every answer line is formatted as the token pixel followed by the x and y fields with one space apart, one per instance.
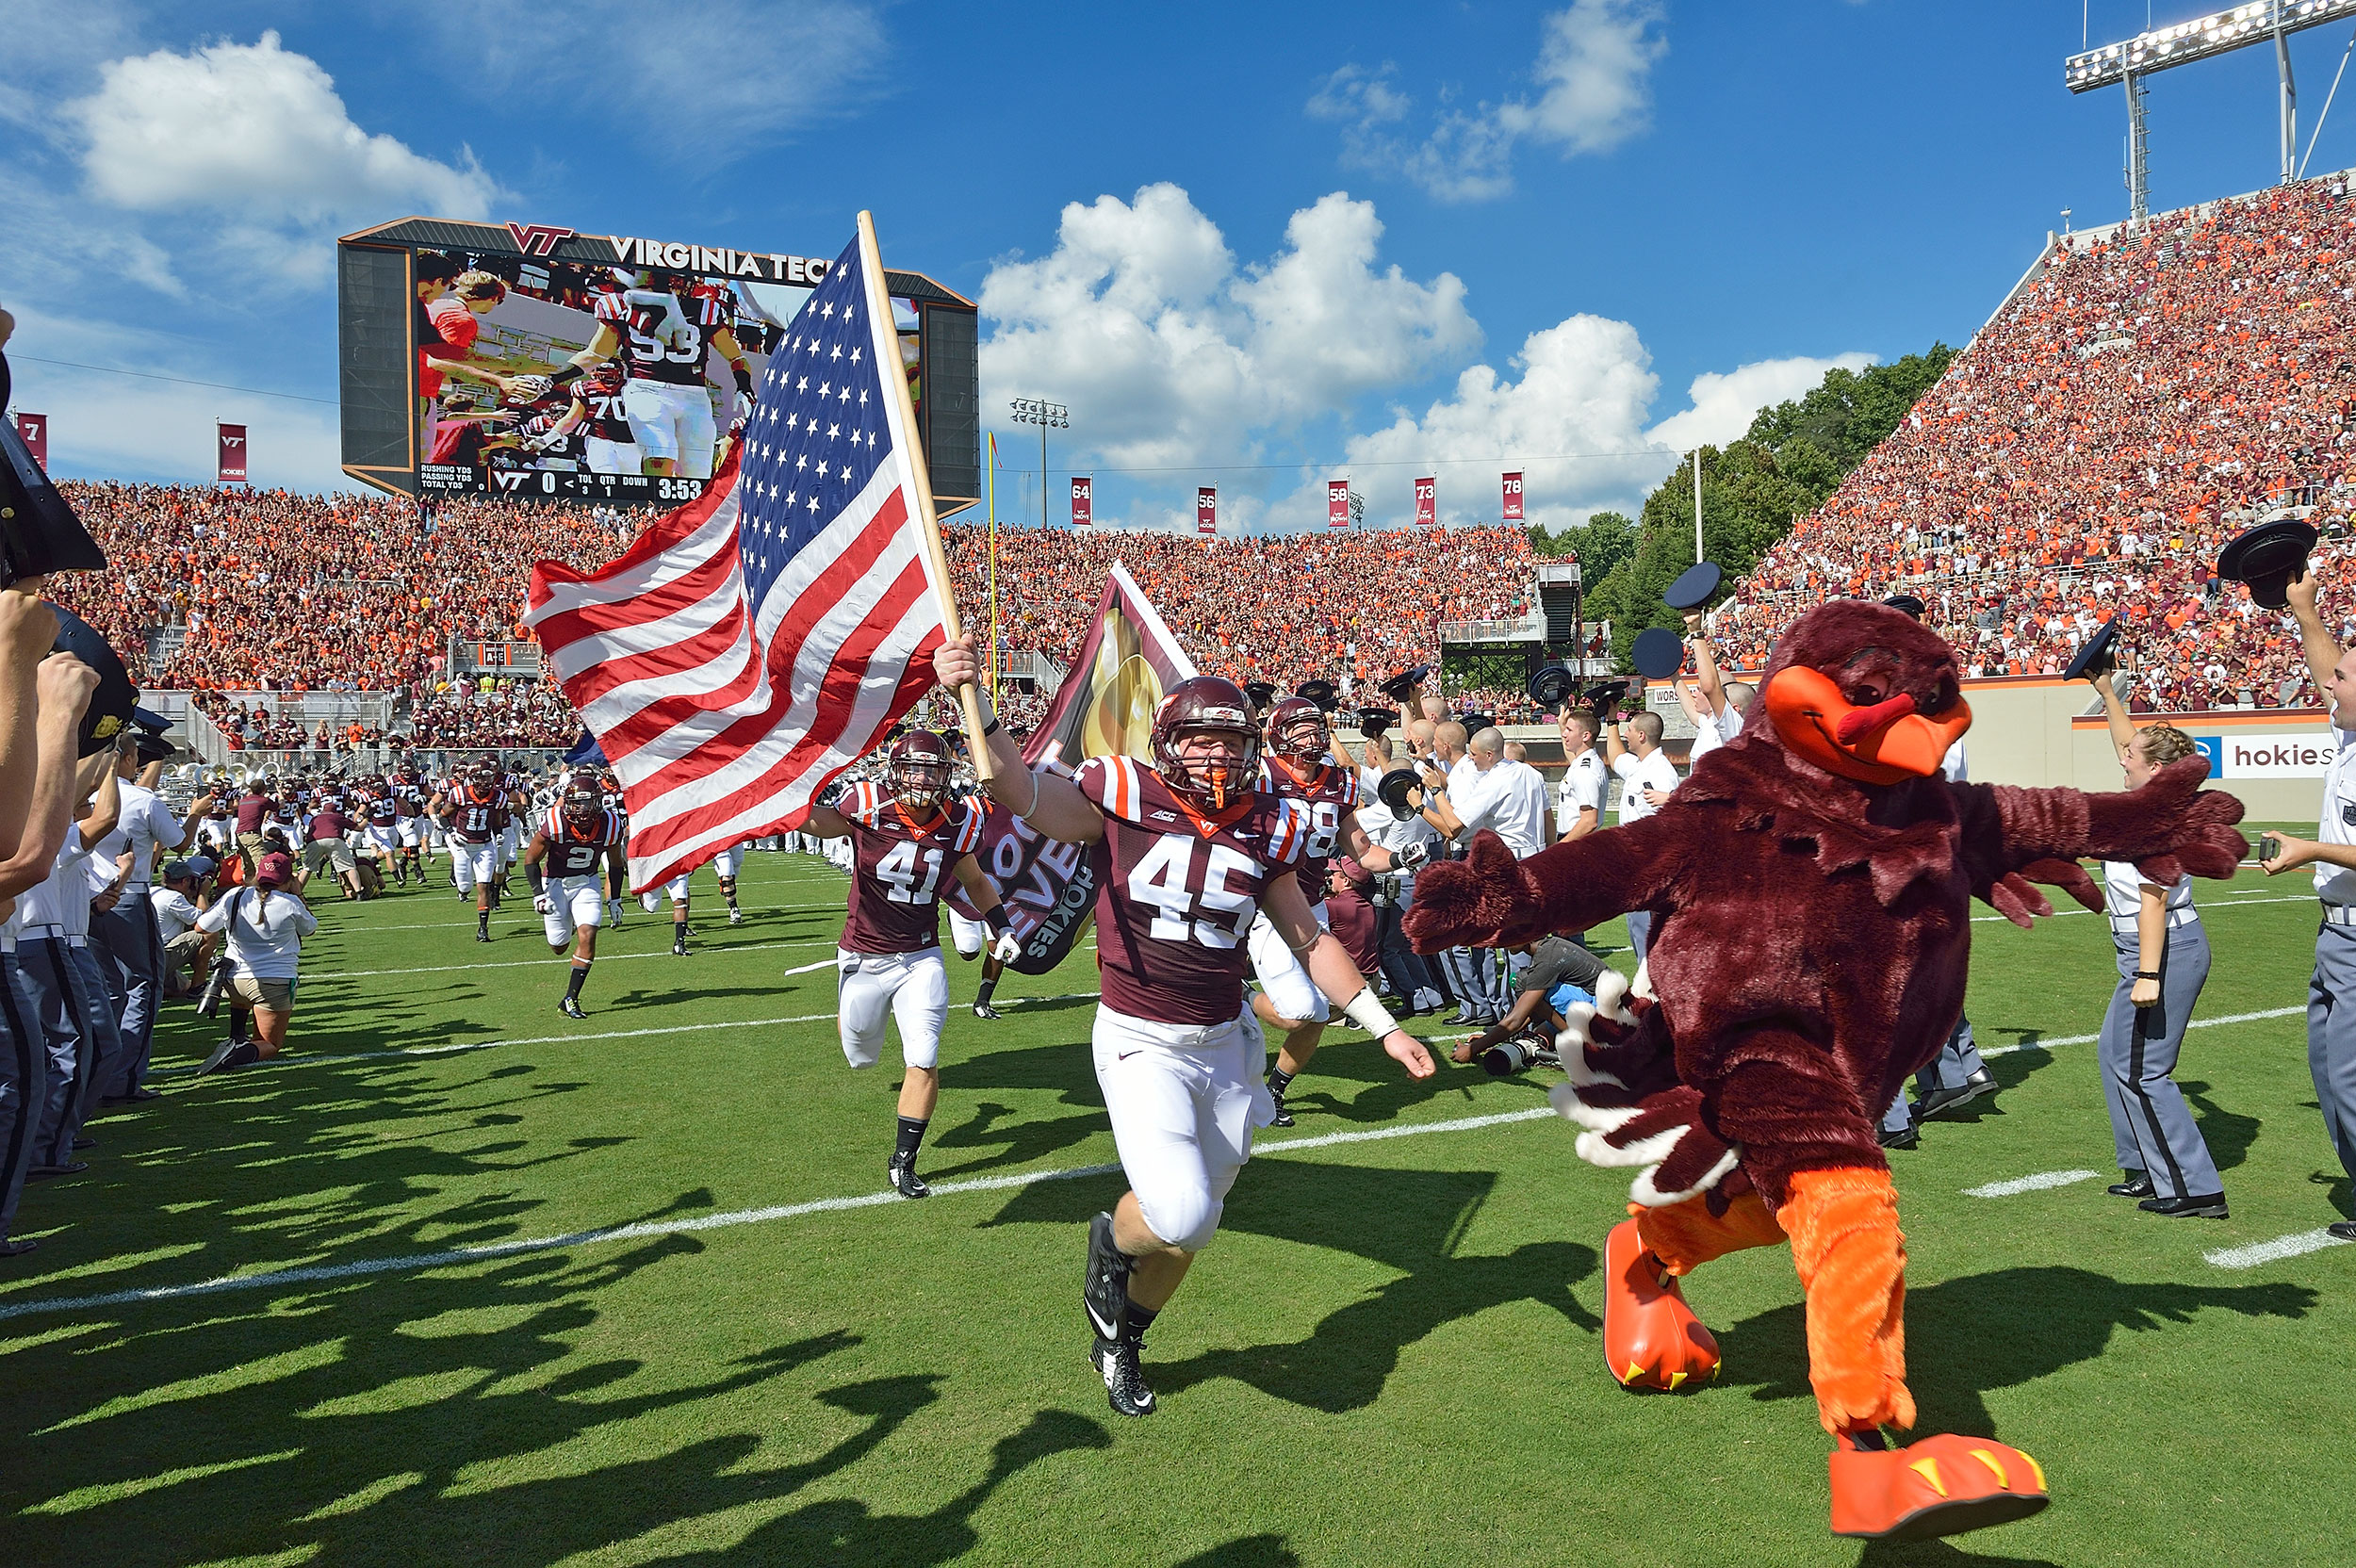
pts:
pixel 1886 744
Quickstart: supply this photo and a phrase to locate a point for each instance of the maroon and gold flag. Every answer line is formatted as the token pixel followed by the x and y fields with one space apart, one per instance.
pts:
pixel 1105 708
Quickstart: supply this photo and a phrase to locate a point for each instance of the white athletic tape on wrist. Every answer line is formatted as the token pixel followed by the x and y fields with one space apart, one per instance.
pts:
pixel 1367 1011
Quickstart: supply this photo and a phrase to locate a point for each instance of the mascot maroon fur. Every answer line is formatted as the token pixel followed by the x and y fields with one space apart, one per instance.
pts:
pixel 1810 886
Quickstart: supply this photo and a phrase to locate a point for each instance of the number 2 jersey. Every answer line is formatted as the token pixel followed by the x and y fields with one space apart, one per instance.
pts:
pixel 576 852
pixel 898 868
pixel 1176 891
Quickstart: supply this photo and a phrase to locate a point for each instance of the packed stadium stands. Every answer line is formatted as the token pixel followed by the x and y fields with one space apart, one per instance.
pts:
pixel 2138 401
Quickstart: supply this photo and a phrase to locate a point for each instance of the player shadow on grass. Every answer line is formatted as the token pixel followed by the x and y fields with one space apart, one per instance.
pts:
pixel 1982 1332
pixel 1406 1219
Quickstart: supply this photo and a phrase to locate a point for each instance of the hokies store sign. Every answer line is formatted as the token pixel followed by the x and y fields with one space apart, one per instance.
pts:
pixel 2299 753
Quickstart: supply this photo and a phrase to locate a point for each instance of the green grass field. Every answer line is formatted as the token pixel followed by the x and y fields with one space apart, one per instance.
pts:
pixel 1389 1357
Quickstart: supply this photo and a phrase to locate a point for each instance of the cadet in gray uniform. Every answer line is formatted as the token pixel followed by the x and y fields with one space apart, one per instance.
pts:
pixel 2332 992
pixel 2162 963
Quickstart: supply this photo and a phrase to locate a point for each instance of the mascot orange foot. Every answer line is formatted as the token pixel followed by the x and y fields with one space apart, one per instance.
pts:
pixel 1651 1339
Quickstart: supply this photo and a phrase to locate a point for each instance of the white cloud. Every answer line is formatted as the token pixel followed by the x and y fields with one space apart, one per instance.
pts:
pixel 1594 77
pixel 1169 353
pixel 703 80
pixel 1725 403
pixel 256 138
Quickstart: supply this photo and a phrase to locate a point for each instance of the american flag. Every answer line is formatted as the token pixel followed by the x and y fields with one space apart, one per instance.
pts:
pixel 754 643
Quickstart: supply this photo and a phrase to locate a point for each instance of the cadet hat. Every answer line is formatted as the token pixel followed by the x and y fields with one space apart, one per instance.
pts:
pixel 2267 558
pixel 1659 653
pixel 1392 789
pixel 110 706
pixel 1403 685
pixel 1260 692
pixel 1549 686
pixel 1908 604
pixel 1374 721
pixel 1694 586
pixel 1319 692
pixel 39 531
pixel 2094 657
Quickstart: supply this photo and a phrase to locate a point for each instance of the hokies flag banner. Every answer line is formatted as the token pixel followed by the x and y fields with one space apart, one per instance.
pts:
pixel 1083 502
pixel 1513 498
pixel 229 460
pixel 1337 503
pixel 1427 502
pixel 1205 509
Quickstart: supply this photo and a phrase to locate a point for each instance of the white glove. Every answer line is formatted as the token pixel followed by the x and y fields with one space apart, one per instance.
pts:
pixel 1409 856
pixel 541 904
pixel 744 412
pixel 527 389
pixel 1008 948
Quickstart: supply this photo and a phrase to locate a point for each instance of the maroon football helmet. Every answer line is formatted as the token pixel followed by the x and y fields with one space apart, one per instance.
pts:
pixel 1203 703
pixel 1297 731
pixel 918 767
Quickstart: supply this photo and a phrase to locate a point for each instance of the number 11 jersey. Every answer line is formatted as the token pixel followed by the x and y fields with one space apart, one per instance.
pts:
pixel 1176 891
pixel 898 869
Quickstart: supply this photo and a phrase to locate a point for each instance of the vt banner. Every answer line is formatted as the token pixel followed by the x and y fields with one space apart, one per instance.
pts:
pixel 229 464
pixel 1083 503
pixel 1337 503
pixel 1427 502
pixel 33 430
pixel 1205 509
pixel 1105 708
pixel 1513 498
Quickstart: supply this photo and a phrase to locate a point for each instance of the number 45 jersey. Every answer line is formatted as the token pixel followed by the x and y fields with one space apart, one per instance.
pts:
pixel 1176 891
pixel 899 865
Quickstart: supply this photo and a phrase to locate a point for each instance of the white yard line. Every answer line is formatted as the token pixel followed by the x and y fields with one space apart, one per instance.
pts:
pixel 328 1058
pixel 2237 903
pixel 2271 1251
pixel 2089 1039
pixel 2038 1183
pixel 643 1230
pixel 556 959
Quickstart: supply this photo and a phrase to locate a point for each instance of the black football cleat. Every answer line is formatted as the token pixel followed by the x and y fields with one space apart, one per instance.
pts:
pixel 904 1181
pixel 2210 1205
pixel 1106 1290
pixel 679 947
pixel 1904 1138
pixel 2341 1229
pixel 983 1009
pixel 1284 1117
pixel 570 1008
pixel 1125 1379
pixel 2135 1186
pixel 480 935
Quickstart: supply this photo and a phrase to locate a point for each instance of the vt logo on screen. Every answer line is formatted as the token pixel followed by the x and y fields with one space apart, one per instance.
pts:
pixel 534 239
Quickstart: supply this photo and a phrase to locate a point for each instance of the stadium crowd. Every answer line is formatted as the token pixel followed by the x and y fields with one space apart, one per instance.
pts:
pixel 1352 607
pixel 2139 402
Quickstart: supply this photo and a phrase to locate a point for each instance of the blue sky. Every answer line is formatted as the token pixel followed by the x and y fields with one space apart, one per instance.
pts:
pixel 1250 245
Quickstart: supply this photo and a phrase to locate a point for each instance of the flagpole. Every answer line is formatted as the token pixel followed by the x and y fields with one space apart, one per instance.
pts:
pixel 928 520
pixel 990 478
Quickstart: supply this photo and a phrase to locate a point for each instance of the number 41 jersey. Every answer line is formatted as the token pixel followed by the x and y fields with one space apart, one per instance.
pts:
pixel 899 866
pixel 1176 892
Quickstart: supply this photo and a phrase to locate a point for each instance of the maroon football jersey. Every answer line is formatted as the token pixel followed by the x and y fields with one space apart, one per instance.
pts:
pixel 477 815
pixel 899 868
pixel 602 413
pixel 1176 892
pixel 650 356
pixel 1331 801
pixel 572 850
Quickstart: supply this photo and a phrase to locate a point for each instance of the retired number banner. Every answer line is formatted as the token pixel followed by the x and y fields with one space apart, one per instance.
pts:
pixel 1082 502
pixel 33 430
pixel 1427 502
pixel 1205 509
pixel 1513 498
pixel 229 466
pixel 1337 503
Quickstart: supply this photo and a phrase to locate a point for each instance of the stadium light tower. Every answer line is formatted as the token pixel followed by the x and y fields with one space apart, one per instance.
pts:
pixel 2204 38
pixel 1047 415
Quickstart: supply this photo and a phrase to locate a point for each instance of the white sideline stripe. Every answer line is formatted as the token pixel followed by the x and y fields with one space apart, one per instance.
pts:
pixel 2089 1039
pixel 2270 1251
pixel 2038 1183
pixel 644 1229
pixel 539 963
pixel 2236 903
pixel 812 969
pixel 329 1057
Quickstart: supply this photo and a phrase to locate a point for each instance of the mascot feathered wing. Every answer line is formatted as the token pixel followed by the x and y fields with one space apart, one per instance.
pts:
pixel 1810 886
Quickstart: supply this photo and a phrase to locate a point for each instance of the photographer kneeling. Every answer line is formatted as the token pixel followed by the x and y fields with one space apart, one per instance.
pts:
pixel 264 925
pixel 1559 972
pixel 179 904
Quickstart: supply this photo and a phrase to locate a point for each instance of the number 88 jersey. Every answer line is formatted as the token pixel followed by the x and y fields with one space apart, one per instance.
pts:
pixel 1176 891
pixel 899 866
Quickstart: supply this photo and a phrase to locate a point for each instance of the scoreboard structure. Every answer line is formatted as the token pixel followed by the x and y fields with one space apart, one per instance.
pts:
pixel 450 334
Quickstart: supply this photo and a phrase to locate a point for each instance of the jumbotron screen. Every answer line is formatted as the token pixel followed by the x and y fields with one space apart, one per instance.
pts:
pixel 541 364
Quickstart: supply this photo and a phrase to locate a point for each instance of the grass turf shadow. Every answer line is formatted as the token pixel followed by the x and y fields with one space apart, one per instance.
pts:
pixel 2010 1326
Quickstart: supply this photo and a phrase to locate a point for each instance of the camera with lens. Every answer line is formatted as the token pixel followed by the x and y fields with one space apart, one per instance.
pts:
pixel 1527 1047
pixel 215 983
